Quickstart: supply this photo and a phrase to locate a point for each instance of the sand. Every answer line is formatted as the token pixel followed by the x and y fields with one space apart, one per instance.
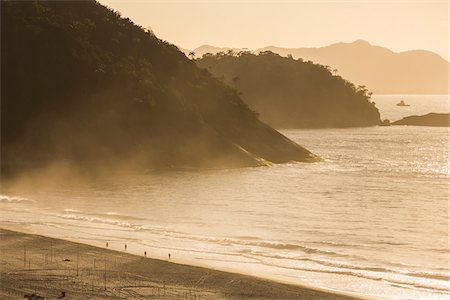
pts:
pixel 47 267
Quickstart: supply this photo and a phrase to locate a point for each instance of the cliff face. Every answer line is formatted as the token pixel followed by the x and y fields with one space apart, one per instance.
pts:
pixel 79 83
pixel 291 93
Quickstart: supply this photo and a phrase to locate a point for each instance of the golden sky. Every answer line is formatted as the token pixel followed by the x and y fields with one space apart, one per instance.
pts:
pixel 399 25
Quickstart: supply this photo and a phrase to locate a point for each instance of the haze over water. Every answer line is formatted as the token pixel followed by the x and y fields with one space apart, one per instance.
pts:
pixel 371 219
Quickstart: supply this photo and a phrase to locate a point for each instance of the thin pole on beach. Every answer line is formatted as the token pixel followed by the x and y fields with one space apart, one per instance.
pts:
pixel 118 271
pixel 78 257
pixel 24 255
pixel 104 276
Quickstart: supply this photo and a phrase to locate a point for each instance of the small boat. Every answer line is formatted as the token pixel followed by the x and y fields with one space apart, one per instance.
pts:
pixel 402 103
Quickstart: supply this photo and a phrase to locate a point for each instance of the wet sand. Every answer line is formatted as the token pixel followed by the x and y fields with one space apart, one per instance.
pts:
pixel 48 267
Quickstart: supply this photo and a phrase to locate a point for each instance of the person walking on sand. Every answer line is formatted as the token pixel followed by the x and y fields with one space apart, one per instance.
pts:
pixel 169 256
pixel 107 244
pixel 145 253
pixel 125 247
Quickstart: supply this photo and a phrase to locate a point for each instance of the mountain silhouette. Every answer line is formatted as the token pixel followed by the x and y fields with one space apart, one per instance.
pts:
pixel 292 93
pixel 380 69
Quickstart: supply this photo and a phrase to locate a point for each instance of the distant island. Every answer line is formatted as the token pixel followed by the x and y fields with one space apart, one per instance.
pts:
pixel 81 84
pixel 380 69
pixel 431 119
pixel 292 93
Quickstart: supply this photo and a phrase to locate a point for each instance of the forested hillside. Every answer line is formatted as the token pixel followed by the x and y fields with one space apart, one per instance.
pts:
pixel 290 93
pixel 80 83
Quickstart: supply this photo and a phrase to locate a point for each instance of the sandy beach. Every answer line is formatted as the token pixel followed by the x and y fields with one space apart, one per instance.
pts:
pixel 48 267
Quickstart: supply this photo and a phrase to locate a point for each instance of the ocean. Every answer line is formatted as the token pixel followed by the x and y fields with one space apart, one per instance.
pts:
pixel 372 219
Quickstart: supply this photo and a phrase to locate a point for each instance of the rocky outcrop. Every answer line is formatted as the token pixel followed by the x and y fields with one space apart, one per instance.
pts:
pixel 431 119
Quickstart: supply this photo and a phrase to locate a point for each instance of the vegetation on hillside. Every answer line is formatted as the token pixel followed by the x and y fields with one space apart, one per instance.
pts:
pixel 290 93
pixel 80 83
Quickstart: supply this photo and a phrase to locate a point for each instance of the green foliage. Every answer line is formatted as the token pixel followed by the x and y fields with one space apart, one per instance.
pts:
pixel 81 83
pixel 291 93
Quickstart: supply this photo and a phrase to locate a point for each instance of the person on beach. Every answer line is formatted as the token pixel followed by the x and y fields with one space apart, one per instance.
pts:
pixel 107 244
pixel 169 256
pixel 125 247
pixel 145 253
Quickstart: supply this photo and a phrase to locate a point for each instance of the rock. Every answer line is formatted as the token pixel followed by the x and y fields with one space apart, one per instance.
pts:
pixel 431 119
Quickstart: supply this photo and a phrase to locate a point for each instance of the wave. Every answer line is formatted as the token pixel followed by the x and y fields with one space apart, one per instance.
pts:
pixel 273 245
pixel 109 214
pixel 346 265
pixel 431 275
pixel 414 285
pixel 14 199
pixel 375 275
pixel 93 219
pixel 440 250
pixel 70 210
pixel 408 284
pixel 115 215
pixel 336 244
pixel 247 238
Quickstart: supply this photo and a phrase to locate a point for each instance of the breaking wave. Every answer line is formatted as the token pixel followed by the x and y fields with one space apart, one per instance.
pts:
pixel 14 199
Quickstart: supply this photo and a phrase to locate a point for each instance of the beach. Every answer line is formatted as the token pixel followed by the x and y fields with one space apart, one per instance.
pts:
pixel 48 267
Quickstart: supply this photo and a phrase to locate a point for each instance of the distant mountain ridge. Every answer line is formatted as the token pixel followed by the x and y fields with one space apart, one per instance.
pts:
pixel 380 69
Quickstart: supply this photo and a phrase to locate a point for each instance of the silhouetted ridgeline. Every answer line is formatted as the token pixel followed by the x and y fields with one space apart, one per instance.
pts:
pixel 380 69
pixel 431 119
pixel 292 93
pixel 79 83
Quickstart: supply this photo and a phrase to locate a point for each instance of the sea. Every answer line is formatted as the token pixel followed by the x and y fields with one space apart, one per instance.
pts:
pixel 371 219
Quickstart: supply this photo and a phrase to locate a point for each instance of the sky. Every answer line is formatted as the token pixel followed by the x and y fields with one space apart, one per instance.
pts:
pixel 399 25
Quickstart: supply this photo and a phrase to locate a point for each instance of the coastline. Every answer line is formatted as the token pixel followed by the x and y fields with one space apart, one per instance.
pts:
pixel 46 266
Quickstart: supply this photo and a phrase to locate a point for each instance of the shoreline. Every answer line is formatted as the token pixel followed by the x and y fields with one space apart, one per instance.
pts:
pixel 46 266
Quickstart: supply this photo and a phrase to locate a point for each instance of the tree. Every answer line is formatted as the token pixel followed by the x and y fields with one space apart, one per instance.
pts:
pixel 191 55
